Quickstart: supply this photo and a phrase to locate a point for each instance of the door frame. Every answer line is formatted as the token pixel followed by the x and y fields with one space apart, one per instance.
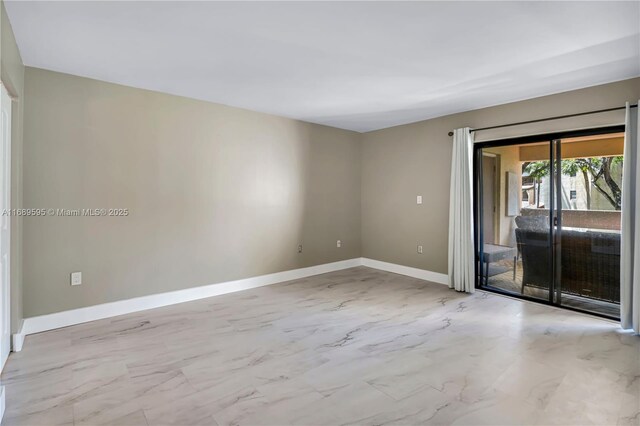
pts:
pixel 555 154
pixel 5 223
pixel 496 193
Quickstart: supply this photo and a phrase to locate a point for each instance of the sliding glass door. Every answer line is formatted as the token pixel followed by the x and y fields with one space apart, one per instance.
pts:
pixel 588 202
pixel 548 219
pixel 513 203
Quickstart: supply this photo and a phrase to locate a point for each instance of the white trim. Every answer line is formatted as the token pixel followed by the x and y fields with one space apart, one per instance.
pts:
pixel 5 231
pixel 423 274
pixel 107 310
pixel 2 403
pixel 92 313
pixel 18 338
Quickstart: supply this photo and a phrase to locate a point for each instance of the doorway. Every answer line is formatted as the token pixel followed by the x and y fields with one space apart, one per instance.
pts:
pixel 557 238
pixel 489 187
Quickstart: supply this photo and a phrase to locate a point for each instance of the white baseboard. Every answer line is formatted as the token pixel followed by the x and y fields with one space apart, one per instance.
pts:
pixel 422 274
pixel 18 339
pixel 107 310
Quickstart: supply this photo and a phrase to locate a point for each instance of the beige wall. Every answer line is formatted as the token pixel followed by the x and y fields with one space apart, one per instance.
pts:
pixel 401 162
pixel 604 147
pixel 215 193
pixel 218 193
pixel 12 75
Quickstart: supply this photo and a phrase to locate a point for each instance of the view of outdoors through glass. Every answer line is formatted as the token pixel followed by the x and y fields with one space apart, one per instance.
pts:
pixel 518 187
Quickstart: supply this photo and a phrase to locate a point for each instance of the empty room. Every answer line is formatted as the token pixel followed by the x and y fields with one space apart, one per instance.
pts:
pixel 319 213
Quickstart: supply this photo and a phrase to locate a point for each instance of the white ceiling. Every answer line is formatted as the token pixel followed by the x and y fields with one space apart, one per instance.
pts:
pixel 356 65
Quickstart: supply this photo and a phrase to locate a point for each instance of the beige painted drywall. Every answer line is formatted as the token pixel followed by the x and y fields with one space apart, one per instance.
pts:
pixel 586 148
pixel 12 75
pixel 415 159
pixel 215 193
pixel 218 193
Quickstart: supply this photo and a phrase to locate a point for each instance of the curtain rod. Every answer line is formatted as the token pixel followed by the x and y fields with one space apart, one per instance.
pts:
pixel 549 119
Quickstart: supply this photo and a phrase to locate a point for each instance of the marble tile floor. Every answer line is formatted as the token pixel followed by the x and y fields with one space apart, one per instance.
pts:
pixel 358 346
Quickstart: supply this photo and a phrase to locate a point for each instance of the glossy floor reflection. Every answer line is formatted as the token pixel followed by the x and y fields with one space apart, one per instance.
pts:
pixel 359 346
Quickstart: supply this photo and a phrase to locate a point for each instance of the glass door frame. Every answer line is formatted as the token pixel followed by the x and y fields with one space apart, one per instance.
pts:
pixel 555 214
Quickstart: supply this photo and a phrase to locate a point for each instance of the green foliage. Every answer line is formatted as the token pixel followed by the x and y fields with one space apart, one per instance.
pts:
pixel 596 172
pixel 572 167
pixel 592 165
pixel 537 169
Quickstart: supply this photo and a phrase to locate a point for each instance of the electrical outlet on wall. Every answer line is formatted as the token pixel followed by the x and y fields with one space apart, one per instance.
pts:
pixel 419 249
pixel 419 199
pixel 338 243
pixel 76 278
pixel 300 248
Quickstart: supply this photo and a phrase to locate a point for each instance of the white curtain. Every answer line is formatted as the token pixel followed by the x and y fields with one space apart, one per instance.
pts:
pixel 461 253
pixel 629 253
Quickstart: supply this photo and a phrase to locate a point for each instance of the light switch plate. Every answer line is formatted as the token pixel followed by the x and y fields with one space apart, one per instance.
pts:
pixel 76 278
pixel 419 199
pixel 419 249
pixel 338 243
